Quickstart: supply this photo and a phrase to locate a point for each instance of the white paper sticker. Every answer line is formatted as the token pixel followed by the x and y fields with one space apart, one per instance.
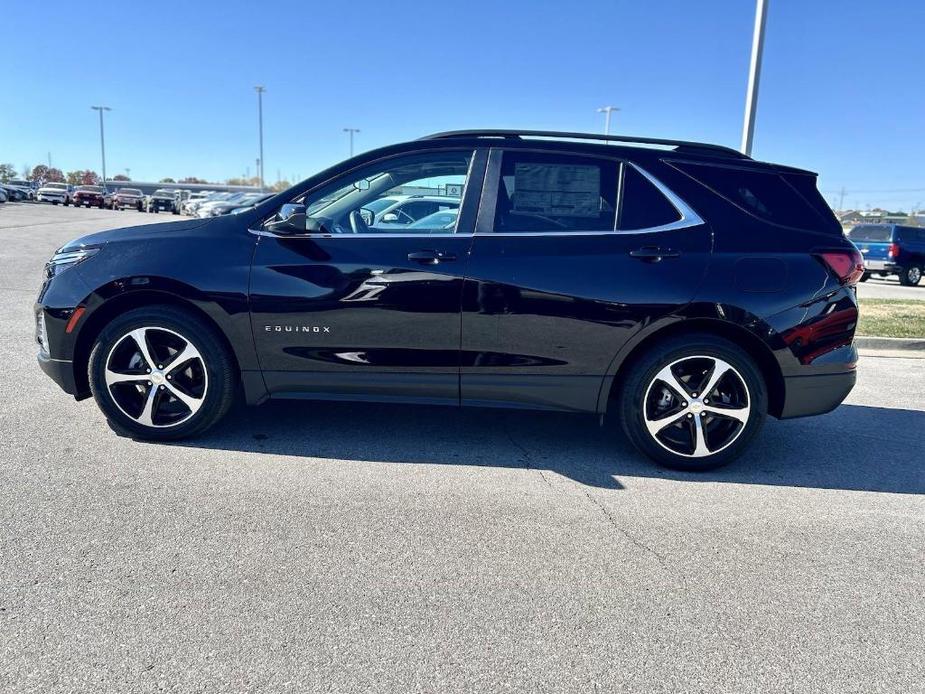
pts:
pixel 557 190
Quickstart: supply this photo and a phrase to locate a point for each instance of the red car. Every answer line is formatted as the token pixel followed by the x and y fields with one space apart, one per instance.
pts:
pixel 128 197
pixel 91 196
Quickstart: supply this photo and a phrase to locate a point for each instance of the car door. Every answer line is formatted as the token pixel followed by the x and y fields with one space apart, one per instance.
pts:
pixel 352 311
pixel 572 255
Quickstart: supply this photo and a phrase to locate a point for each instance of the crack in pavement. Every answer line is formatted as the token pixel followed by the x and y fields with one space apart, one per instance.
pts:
pixel 641 545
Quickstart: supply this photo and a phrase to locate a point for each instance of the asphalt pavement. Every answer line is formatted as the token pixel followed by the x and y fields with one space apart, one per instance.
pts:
pixel 332 547
pixel 889 288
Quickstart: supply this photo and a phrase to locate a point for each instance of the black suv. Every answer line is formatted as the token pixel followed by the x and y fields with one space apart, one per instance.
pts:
pixel 683 288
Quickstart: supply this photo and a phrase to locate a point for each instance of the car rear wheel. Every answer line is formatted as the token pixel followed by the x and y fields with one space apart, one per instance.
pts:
pixel 159 373
pixel 693 402
pixel 910 275
pixel 865 277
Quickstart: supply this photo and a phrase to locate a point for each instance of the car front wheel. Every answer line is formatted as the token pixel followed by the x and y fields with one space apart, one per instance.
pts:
pixel 910 275
pixel 693 402
pixel 159 373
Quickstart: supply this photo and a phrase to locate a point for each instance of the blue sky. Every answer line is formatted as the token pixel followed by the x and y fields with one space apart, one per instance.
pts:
pixel 841 91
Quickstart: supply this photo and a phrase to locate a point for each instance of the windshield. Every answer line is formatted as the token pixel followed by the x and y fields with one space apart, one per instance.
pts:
pixel 164 193
pixel 871 233
pixel 91 189
pixel 130 191
pixel 57 186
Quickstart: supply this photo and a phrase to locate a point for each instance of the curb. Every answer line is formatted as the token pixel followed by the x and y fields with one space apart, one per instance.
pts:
pixel 891 346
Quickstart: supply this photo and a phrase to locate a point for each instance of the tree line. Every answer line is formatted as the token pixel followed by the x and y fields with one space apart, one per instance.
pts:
pixel 87 177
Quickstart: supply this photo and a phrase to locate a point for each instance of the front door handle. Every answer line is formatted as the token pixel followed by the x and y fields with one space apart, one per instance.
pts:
pixel 653 254
pixel 431 257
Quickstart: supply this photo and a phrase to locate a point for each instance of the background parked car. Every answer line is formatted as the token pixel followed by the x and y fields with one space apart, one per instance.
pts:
pixel 91 196
pixel 402 210
pixel 246 200
pixel 54 193
pixel 195 200
pixel 891 249
pixel 179 198
pixel 128 197
pixel 16 194
pixel 26 186
pixel 3 197
pixel 160 199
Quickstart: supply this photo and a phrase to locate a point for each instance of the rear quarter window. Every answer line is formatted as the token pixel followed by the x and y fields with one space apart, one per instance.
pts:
pixel 789 199
pixel 870 233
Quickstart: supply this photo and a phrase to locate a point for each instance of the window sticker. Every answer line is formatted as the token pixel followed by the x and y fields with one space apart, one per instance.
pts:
pixel 554 190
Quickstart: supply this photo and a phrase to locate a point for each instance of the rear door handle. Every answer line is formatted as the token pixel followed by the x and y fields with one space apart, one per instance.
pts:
pixel 653 254
pixel 431 257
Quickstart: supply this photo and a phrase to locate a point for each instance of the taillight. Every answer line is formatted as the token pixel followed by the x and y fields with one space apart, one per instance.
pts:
pixel 893 251
pixel 848 266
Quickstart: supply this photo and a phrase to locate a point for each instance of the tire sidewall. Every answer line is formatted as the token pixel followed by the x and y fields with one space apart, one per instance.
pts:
pixel 643 371
pixel 218 369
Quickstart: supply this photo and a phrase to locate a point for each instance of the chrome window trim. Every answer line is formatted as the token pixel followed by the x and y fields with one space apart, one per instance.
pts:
pixel 263 232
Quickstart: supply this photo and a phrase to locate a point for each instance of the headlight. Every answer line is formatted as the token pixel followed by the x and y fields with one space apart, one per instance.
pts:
pixel 65 258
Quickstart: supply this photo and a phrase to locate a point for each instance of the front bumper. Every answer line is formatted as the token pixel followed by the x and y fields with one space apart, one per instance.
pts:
pixel 60 371
pixel 46 197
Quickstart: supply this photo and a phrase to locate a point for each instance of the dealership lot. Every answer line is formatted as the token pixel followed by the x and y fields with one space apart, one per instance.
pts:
pixel 346 547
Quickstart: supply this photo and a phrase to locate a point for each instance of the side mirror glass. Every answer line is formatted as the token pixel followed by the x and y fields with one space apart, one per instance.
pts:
pixel 390 218
pixel 362 184
pixel 290 220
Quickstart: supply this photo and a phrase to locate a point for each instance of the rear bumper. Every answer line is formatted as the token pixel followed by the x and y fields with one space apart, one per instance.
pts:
pixel 880 266
pixel 817 394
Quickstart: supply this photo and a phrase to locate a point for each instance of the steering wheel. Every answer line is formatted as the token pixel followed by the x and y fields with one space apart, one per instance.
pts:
pixel 357 224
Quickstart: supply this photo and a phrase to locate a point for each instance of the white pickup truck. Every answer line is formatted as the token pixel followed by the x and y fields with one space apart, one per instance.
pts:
pixel 54 193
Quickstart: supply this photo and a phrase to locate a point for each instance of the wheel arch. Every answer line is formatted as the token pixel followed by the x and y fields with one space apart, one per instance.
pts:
pixel 128 301
pixel 753 345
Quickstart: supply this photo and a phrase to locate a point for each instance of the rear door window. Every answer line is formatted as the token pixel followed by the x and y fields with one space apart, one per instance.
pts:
pixel 550 192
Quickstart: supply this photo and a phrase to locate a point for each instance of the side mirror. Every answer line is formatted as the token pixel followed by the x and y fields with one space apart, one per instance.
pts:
pixel 290 220
pixel 390 218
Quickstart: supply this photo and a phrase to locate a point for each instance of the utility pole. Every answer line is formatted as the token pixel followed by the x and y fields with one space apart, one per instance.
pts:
pixel 754 75
pixel 260 90
pixel 49 160
pixel 128 173
pixel 351 131
pixel 841 199
pixel 607 110
pixel 102 138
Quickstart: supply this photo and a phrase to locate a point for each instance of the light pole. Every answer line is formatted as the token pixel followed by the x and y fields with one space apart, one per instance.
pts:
pixel 754 75
pixel 607 110
pixel 260 90
pixel 102 138
pixel 351 131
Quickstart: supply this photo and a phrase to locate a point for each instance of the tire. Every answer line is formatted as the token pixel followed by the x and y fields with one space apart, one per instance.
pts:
pixel 206 381
pixel 66 202
pixel 865 277
pixel 55 203
pixel 689 357
pixel 910 275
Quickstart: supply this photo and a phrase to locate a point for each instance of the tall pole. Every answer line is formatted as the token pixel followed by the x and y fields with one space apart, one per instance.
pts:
pixel 351 131
pixel 260 91
pixel 754 75
pixel 102 138
pixel 607 110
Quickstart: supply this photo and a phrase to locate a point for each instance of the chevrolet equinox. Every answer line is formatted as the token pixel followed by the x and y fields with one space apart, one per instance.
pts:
pixel 682 288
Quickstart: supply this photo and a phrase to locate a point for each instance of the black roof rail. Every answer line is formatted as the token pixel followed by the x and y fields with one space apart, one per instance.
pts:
pixel 681 145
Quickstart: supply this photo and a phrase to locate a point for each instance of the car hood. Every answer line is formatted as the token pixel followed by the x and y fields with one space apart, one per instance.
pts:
pixel 140 232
